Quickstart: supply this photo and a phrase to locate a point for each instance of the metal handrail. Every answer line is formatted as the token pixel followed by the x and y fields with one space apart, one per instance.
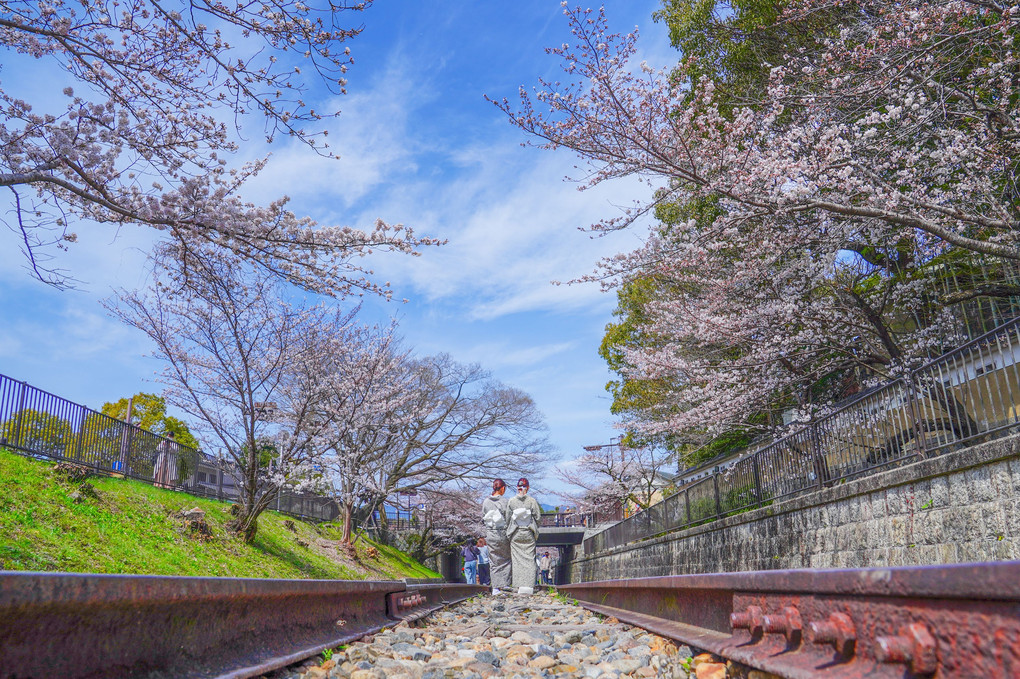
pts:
pixel 38 423
pixel 967 394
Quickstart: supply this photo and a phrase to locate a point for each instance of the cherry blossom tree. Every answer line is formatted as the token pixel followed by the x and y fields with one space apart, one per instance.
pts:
pixel 397 424
pixel 805 233
pixel 231 345
pixel 387 422
pixel 358 391
pixel 459 428
pixel 831 135
pixel 451 517
pixel 353 414
pixel 610 476
pixel 152 112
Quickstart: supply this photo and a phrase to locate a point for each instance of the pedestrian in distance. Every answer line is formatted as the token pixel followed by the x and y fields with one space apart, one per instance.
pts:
pixel 483 562
pixel 470 554
pixel 544 565
pixel 522 516
pixel 494 518
pixel 164 471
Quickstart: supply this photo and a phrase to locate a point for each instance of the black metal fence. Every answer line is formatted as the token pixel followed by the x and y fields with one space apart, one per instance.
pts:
pixel 566 519
pixel 967 395
pixel 39 424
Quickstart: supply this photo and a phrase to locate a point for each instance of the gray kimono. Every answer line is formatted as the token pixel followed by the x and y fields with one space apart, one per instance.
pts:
pixel 523 539
pixel 499 544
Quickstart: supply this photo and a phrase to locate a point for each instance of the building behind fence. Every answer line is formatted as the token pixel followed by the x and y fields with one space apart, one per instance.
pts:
pixel 39 424
pixel 968 395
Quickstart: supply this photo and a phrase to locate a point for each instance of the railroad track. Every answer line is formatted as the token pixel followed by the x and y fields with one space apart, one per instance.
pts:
pixel 79 626
pixel 956 621
pixel 937 622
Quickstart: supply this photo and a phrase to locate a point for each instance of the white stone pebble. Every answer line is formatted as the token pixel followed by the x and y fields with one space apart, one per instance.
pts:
pixel 509 636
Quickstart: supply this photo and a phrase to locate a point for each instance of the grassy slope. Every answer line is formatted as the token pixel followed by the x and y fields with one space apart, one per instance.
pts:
pixel 132 528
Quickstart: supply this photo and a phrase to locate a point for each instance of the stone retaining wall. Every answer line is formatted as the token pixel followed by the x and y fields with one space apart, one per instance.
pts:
pixel 960 507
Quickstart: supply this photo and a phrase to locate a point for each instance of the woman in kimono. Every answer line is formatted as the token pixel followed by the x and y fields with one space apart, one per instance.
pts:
pixel 522 516
pixel 494 517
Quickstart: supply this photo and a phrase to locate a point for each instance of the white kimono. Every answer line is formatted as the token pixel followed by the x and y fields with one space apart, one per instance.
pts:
pixel 522 517
pixel 494 517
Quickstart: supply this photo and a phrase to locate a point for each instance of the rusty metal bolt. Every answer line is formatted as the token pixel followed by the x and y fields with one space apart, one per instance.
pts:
pixel 787 622
pixel 750 619
pixel 914 646
pixel 838 630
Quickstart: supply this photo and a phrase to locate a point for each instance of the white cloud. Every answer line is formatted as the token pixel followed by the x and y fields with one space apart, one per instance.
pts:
pixel 510 218
pixel 371 139
pixel 76 329
pixel 503 354
pixel 512 225
pixel 87 332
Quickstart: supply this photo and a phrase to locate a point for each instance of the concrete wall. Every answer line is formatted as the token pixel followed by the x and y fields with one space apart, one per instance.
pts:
pixel 962 506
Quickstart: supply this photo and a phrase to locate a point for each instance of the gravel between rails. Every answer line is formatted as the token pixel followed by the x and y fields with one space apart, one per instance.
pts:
pixel 514 636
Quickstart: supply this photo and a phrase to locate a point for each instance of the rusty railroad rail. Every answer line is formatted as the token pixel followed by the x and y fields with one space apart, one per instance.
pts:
pixel 84 626
pixel 957 621
pixel 936 622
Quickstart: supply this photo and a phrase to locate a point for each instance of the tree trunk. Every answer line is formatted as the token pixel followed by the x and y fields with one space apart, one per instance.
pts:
pixel 246 524
pixel 348 521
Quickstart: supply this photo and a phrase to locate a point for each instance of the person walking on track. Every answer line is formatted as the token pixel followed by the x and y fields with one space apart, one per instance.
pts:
pixel 494 517
pixel 522 516
pixel 483 562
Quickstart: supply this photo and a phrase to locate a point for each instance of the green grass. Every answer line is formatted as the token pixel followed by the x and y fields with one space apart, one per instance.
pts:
pixel 132 527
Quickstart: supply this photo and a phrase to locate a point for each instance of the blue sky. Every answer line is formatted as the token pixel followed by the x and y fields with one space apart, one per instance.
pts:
pixel 420 146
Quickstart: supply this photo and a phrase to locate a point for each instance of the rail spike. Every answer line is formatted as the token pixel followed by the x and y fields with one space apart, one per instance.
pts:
pixel 839 631
pixel 787 622
pixel 751 620
pixel 914 646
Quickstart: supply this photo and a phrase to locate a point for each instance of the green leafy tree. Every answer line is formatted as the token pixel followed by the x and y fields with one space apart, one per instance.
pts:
pixel 729 42
pixel 148 411
pixel 107 442
pixel 736 43
pixel 102 440
pixel 39 432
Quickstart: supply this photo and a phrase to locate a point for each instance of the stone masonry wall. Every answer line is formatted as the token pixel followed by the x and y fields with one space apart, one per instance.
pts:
pixel 962 506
